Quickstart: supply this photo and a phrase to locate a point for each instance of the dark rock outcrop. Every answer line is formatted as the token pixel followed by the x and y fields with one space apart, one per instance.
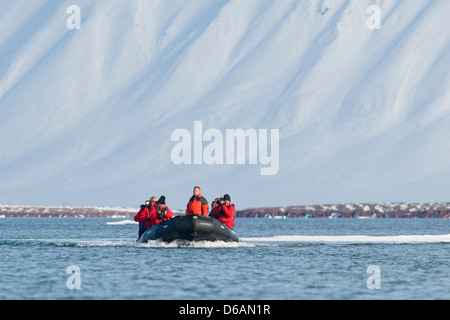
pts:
pixel 359 210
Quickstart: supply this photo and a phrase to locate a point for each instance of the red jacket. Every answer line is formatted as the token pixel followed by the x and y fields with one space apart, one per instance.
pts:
pixel 150 217
pixel 226 214
pixel 143 217
pixel 197 205
pixel 155 213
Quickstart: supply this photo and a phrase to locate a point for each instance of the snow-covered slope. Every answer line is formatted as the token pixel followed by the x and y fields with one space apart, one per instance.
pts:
pixel 87 115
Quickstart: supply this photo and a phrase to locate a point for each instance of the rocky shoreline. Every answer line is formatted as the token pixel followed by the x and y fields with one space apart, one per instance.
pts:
pixel 17 211
pixel 379 210
pixel 359 210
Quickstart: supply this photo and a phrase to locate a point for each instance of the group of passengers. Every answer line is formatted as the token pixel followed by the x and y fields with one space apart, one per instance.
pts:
pixel 155 210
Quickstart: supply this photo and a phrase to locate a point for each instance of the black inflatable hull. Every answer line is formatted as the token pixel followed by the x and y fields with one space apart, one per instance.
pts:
pixel 190 228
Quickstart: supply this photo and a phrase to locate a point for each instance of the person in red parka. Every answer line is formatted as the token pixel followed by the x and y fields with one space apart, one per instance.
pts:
pixel 143 216
pixel 225 211
pixel 197 205
pixel 160 211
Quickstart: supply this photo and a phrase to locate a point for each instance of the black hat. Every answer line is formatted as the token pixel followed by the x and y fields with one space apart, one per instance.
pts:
pixel 226 197
pixel 162 200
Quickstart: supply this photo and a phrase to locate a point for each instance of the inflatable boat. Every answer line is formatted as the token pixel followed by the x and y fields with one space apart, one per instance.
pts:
pixel 190 228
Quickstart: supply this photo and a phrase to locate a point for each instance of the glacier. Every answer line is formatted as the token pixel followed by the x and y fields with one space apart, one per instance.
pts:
pixel 87 114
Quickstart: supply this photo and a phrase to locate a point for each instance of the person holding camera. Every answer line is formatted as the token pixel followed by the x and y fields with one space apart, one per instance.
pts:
pixel 225 211
pixel 215 203
pixel 143 216
pixel 160 211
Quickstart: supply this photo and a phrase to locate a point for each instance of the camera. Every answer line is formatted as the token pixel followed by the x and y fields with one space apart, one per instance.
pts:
pixel 219 201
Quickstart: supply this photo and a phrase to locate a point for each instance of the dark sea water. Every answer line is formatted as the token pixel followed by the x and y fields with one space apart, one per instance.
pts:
pixel 276 259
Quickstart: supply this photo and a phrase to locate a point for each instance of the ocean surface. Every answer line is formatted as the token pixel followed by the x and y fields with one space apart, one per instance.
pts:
pixel 276 259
